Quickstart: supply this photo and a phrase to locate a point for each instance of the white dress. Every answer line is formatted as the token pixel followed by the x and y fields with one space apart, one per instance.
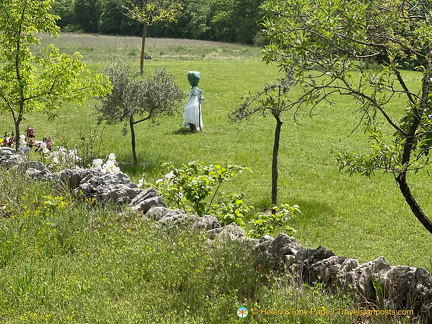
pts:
pixel 192 111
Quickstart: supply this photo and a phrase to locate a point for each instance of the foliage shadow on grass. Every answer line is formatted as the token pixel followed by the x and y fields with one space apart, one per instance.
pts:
pixel 148 165
pixel 181 131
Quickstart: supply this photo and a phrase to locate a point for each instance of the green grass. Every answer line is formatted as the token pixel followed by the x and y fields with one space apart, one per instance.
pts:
pixel 69 261
pixel 353 216
pixel 100 48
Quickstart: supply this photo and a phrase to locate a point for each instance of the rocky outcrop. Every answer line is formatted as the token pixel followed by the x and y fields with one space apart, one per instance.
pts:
pixel 111 187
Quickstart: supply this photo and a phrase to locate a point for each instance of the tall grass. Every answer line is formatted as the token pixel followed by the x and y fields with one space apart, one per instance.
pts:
pixel 353 216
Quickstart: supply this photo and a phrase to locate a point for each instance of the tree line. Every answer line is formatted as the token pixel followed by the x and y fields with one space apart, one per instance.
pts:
pixel 235 21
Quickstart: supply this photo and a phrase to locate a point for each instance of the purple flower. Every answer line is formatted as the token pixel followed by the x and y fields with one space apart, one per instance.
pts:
pixel 48 142
pixel 30 132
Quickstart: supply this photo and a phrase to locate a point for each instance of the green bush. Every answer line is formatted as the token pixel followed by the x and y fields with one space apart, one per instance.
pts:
pixel 195 187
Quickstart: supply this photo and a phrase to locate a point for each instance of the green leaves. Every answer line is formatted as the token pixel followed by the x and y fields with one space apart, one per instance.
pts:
pixel 195 187
pixel 279 216
pixel 324 42
pixel 150 12
pixel 144 97
pixel 38 81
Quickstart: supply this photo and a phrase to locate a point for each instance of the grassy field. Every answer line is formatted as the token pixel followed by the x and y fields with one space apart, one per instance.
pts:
pixel 69 261
pixel 353 216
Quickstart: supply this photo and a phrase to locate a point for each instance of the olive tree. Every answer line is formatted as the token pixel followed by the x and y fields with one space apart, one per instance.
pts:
pixel 38 81
pixel 135 99
pixel 325 42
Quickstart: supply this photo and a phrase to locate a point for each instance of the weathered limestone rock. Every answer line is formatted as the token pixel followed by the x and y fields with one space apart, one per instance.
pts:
pixel 159 213
pixel 146 199
pixel 207 222
pixel 110 187
pixel 362 278
pixel 72 178
pixel 11 158
pixel 263 243
pixel 179 219
pixel 398 287
pixel 176 217
pixel 231 232
pixel 325 270
pixel 408 288
pixel 35 165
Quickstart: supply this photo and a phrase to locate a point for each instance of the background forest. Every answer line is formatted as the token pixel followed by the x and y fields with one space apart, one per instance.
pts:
pixel 217 20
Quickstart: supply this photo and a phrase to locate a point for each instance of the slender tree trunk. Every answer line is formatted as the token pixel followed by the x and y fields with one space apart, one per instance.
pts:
pixel 143 48
pixel 401 178
pixel 409 146
pixel 132 130
pixel 17 134
pixel 415 208
pixel 17 123
pixel 275 173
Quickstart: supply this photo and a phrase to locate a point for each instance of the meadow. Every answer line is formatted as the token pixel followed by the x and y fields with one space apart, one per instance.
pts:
pixel 353 216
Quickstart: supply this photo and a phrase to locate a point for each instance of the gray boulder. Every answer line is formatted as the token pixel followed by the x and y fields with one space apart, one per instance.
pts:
pixel 231 232
pixel 207 222
pixel 72 178
pixel 37 165
pixel 111 187
pixel 365 277
pixel 147 199
pixel 175 218
pixel 36 170
pixel 408 288
pixel 11 158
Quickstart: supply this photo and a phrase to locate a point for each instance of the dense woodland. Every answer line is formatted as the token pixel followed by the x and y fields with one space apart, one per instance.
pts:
pixel 234 21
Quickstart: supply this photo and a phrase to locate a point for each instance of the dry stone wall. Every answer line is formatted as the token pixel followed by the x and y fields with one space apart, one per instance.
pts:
pixel 373 282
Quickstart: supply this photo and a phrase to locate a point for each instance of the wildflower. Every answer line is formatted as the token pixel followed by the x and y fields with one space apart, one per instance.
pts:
pixel 112 156
pixel 42 146
pixel 22 142
pixel 110 167
pixel 8 141
pixel 97 164
pixel 72 156
pixel 48 142
pixel 54 156
pixel 31 143
pixel 30 132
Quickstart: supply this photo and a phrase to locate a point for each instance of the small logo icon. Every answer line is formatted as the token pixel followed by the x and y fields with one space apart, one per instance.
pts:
pixel 242 312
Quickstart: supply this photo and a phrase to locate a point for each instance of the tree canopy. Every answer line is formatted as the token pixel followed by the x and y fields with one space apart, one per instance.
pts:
pixel 38 81
pixel 218 20
pixel 137 99
pixel 322 44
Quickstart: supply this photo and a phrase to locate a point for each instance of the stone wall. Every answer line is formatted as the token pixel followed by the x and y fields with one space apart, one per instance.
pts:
pixel 374 282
